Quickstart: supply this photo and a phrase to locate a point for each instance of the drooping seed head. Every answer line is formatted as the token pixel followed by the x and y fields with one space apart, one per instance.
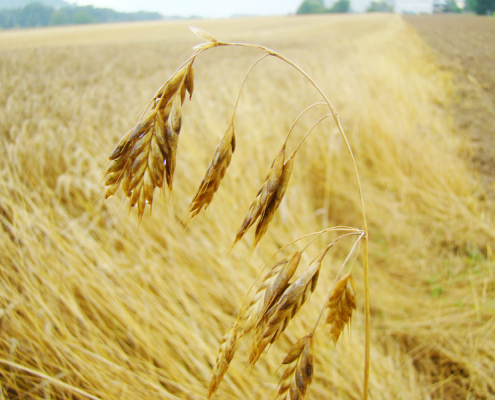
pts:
pixel 273 179
pixel 172 131
pixel 189 82
pixel 340 305
pixel 299 372
pixel 278 317
pixel 121 147
pixel 264 196
pixel 214 174
pixel 170 88
pixel 274 202
pixel 147 152
pixel 225 356
pixel 273 286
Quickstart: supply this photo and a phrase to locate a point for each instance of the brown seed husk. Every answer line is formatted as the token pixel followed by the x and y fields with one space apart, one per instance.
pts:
pixel 171 161
pixel 189 82
pixel 281 280
pixel 340 306
pixel 112 178
pixel 117 165
pixel 142 127
pixel 273 286
pixel 273 179
pixel 136 192
pixel 156 160
pixel 274 202
pixel 225 356
pixel 140 145
pixel 138 165
pixel 126 180
pixel 170 88
pixel 175 117
pixel 111 190
pixel 264 195
pixel 278 317
pixel 299 373
pixel 121 146
pixel 147 153
pixel 172 130
pixel 164 110
pixel 214 174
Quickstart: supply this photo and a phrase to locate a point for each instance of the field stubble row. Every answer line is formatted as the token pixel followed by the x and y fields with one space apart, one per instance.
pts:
pixel 464 44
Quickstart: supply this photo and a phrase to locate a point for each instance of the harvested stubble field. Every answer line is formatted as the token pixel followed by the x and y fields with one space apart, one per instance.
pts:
pixel 93 307
pixel 464 44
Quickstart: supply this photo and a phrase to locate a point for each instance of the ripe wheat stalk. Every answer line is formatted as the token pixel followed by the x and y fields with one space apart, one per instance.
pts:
pixel 144 160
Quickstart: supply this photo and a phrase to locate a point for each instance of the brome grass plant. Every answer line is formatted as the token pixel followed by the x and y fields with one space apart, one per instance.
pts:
pixel 145 159
pixel 97 304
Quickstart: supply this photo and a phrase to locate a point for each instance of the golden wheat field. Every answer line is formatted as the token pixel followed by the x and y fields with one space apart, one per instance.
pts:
pixel 94 305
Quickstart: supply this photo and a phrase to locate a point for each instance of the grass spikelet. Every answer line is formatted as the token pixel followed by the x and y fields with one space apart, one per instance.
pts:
pixel 169 89
pixel 157 157
pixel 278 317
pixel 340 305
pixel 121 147
pixel 172 129
pixel 148 151
pixel 189 82
pixel 214 173
pixel 202 34
pixel 270 290
pixel 299 373
pixel 274 202
pixel 225 356
pixel 264 195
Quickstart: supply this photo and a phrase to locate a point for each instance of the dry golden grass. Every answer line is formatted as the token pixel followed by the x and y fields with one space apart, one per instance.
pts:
pixel 92 309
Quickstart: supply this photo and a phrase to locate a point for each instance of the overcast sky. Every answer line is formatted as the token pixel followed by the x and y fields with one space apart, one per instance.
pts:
pixel 203 8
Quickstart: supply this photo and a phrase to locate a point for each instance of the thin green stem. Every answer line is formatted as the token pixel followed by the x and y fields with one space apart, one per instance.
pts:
pixel 162 88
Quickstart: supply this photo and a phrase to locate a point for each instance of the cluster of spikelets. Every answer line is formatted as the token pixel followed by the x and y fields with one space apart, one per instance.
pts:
pixel 275 304
pixel 145 158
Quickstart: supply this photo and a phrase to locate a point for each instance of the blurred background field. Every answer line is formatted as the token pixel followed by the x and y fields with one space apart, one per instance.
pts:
pixel 93 307
pixel 463 44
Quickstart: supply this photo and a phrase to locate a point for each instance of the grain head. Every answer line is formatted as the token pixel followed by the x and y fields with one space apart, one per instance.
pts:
pixel 277 318
pixel 341 304
pixel 299 372
pixel 214 174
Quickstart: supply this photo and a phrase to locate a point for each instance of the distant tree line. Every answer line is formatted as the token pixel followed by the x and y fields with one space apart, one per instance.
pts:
pixel 318 7
pixel 480 7
pixel 379 6
pixel 21 3
pixel 38 14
